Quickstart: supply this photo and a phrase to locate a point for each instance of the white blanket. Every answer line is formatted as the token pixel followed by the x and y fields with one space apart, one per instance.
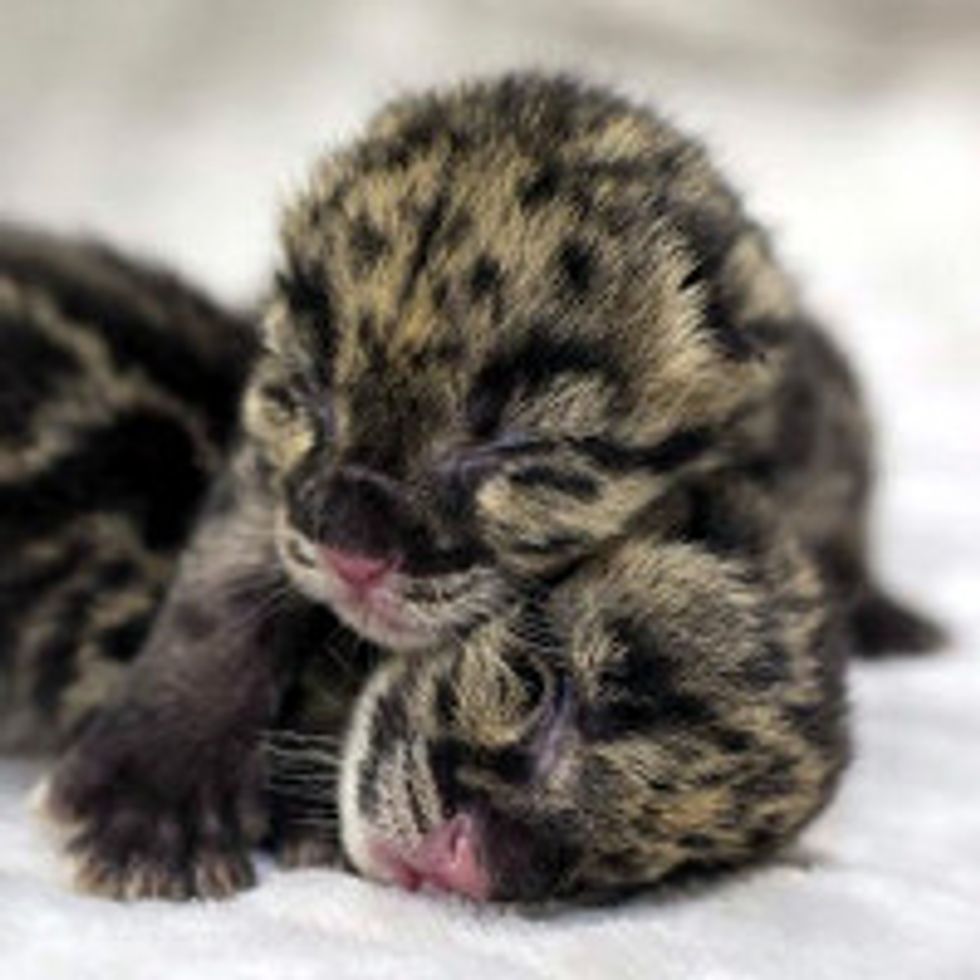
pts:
pixel 174 126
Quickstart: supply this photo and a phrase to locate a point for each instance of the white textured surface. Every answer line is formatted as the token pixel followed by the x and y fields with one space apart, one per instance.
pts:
pixel 174 126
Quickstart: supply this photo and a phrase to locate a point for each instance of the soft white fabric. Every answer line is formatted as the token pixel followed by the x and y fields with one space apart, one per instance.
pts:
pixel 175 126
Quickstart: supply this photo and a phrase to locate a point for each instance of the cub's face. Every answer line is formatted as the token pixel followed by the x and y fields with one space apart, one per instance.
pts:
pixel 505 772
pixel 464 771
pixel 497 335
pixel 569 749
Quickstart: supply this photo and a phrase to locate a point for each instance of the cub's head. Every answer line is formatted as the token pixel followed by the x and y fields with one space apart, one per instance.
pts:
pixel 536 761
pixel 504 321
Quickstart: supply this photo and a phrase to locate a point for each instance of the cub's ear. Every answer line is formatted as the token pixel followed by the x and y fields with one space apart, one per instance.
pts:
pixel 274 326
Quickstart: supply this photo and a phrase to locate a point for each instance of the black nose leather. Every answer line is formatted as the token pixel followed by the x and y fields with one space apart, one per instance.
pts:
pixel 358 509
pixel 352 509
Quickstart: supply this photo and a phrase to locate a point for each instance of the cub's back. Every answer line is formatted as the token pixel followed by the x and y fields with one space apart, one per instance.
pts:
pixel 118 397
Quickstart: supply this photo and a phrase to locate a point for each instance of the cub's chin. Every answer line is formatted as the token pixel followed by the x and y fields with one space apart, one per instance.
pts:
pixel 400 612
pixel 384 619
pixel 380 614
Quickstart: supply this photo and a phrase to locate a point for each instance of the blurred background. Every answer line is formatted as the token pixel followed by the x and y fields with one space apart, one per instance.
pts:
pixel 177 126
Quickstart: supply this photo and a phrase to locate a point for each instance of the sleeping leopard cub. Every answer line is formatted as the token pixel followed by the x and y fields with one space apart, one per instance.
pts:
pixel 532 569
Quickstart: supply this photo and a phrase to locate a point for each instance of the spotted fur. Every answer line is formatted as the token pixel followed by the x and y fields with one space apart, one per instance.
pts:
pixel 525 350
pixel 117 405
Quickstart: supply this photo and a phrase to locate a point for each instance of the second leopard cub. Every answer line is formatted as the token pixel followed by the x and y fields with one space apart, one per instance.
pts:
pixel 540 419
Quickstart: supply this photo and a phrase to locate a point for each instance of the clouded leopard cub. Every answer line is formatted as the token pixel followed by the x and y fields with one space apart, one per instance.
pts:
pixel 540 444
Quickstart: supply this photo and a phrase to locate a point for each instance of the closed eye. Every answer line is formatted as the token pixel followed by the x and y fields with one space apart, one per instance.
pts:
pixel 553 729
pixel 526 373
pixel 470 465
pixel 559 479
pixel 282 397
pixel 291 394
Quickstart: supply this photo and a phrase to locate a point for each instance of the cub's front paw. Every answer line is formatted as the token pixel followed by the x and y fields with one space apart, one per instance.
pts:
pixel 139 826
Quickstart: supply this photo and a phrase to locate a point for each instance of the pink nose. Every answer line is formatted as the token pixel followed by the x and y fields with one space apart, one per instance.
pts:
pixel 359 571
pixel 448 859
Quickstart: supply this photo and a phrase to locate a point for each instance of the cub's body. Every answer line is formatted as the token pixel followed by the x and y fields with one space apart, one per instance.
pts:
pixel 545 535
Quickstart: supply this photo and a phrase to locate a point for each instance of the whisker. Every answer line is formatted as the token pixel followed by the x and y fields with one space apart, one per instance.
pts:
pixel 321 785
pixel 301 756
pixel 264 608
pixel 312 776
pixel 306 770
pixel 302 739
pixel 326 823
pixel 313 783
pixel 321 804
pixel 300 753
